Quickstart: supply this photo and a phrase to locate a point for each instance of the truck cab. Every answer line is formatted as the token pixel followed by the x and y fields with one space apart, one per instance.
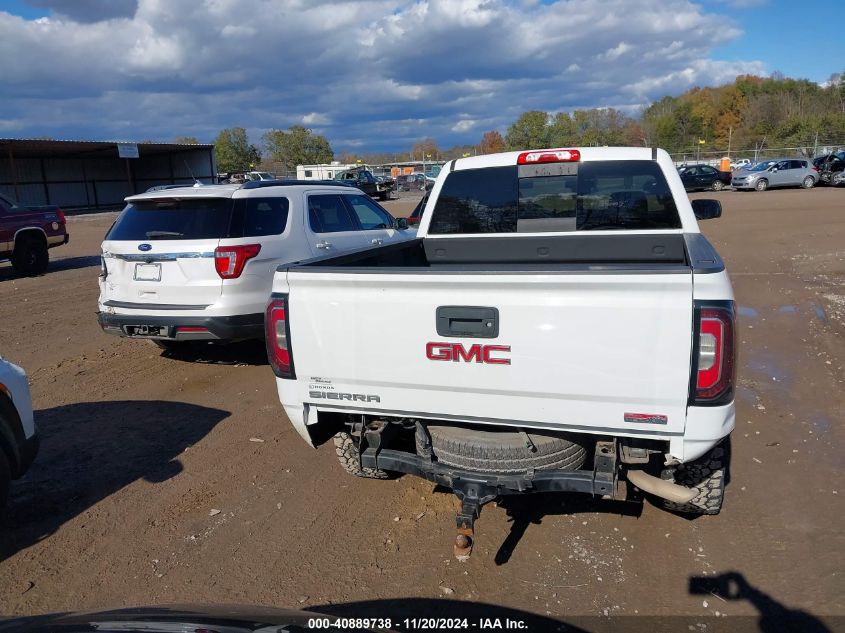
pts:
pixel 366 182
pixel 28 232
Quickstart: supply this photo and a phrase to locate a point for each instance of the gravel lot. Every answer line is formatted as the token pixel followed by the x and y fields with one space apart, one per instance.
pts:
pixel 139 451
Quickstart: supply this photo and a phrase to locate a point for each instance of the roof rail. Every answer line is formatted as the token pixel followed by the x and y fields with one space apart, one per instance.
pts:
pixel 165 187
pixel 259 184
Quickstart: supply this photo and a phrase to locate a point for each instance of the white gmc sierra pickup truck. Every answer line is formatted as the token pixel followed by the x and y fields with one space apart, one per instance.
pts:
pixel 559 324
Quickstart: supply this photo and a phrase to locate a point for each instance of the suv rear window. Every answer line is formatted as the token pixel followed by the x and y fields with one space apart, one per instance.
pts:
pixel 559 197
pixel 200 219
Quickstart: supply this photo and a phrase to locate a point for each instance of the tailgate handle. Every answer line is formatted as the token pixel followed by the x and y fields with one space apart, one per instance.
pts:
pixel 468 321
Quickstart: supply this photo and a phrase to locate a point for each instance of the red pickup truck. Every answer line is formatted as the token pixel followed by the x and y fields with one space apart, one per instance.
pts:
pixel 26 233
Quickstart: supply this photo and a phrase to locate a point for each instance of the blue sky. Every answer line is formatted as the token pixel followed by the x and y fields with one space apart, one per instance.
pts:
pixel 799 39
pixel 377 75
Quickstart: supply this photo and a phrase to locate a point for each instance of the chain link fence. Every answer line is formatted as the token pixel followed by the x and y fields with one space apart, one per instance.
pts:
pixel 760 152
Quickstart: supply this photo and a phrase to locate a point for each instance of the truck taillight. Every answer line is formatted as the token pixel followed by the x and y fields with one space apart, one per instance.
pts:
pixel 714 367
pixel 230 260
pixel 277 336
pixel 548 156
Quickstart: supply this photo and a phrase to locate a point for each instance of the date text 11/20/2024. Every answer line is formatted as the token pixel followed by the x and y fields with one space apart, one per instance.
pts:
pixel 418 624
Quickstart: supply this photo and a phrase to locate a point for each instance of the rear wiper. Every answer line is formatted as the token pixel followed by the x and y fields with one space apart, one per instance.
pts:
pixel 154 234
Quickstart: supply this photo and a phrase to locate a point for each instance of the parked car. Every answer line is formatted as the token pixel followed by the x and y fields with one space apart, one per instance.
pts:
pixel 259 175
pixel 197 263
pixel 740 163
pixel 18 434
pixel 494 389
pixel 28 232
pixel 366 182
pixel 416 214
pixel 819 161
pixel 414 182
pixel 701 177
pixel 830 168
pixel 780 172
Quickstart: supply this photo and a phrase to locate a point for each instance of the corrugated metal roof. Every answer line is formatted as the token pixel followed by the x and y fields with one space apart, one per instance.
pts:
pixel 54 147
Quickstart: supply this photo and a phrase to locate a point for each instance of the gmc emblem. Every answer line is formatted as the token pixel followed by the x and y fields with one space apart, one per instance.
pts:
pixel 456 352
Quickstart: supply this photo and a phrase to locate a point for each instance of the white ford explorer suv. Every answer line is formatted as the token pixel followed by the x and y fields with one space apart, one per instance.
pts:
pixel 565 327
pixel 197 263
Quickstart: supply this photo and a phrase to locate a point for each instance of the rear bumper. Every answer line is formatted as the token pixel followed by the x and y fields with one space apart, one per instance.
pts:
pixel 58 240
pixel 601 480
pixel 204 328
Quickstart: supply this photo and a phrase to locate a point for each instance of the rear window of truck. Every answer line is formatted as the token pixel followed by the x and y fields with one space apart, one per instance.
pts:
pixel 564 197
pixel 200 219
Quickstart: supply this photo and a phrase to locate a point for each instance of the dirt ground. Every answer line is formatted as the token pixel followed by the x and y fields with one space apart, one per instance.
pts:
pixel 140 450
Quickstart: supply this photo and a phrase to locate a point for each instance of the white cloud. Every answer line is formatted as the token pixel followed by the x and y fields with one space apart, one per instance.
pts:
pixel 464 125
pixel 386 71
pixel 315 118
pixel 616 52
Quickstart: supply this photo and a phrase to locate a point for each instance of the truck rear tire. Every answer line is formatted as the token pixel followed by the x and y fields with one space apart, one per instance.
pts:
pixel 30 256
pixel 504 451
pixel 707 476
pixel 347 455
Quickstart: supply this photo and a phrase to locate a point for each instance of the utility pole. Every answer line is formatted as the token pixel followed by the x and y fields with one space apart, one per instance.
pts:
pixel 730 134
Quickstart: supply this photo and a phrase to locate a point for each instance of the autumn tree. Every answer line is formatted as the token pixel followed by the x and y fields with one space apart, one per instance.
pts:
pixel 491 143
pixel 425 149
pixel 234 151
pixel 298 146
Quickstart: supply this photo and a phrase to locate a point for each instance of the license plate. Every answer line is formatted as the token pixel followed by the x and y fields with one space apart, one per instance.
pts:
pixel 147 272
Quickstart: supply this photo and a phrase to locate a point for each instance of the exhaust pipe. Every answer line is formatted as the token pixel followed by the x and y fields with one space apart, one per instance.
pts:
pixel 660 487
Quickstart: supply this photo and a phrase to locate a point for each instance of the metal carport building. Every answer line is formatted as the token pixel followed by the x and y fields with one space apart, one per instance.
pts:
pixel 96 174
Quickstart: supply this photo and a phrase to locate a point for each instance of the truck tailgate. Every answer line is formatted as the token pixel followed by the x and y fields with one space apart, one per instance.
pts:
pixel 589 351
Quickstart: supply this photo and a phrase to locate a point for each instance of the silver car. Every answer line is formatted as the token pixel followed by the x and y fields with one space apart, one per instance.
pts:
pixel 780 172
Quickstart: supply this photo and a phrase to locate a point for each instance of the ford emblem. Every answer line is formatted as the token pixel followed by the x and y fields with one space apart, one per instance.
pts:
pixel 144 247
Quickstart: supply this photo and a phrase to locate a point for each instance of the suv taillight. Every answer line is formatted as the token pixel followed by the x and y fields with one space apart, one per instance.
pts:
pixel 277 336
pixel 61 216
pixel 714 365
pixel 230 260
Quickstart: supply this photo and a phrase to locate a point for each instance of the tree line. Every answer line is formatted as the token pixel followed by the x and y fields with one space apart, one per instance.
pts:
pixel 752 112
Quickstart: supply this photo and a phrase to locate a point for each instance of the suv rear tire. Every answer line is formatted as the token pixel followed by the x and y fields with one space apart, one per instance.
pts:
pixel 504 451
pixel 30 256
pixel 707 475
pixel 348 456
